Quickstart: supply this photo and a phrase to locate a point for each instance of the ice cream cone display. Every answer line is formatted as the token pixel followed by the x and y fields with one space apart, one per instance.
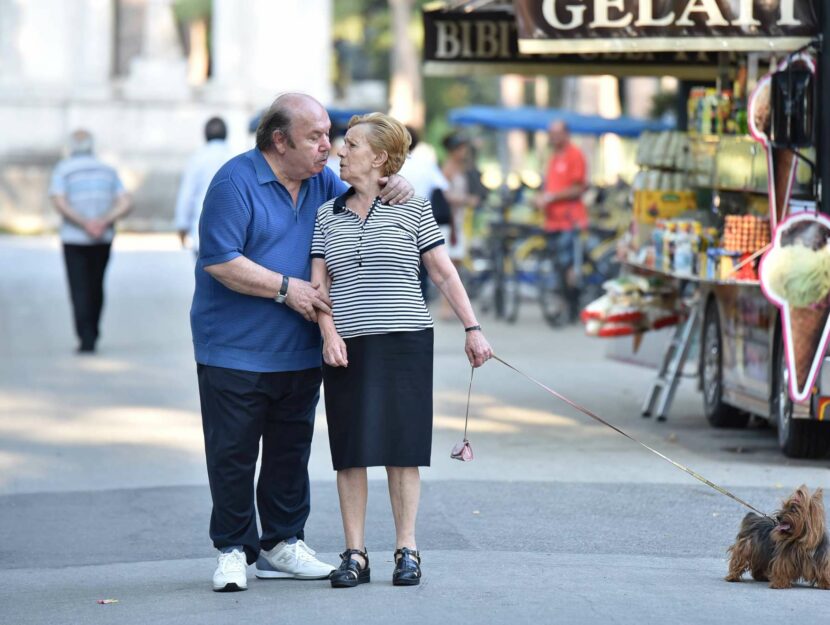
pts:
pixel 795 277
pixel 807 326
pixel 781 162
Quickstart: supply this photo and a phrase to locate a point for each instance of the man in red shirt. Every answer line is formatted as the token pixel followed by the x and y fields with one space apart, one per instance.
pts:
pixel 565 213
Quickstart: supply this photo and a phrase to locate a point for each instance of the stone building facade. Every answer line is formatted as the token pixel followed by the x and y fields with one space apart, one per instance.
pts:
pixel 117 68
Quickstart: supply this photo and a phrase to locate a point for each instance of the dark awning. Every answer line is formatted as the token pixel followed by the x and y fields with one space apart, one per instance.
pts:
pixel 485 41
pixel 638 26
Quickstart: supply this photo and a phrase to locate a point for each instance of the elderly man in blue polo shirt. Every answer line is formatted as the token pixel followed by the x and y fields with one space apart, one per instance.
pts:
pixel 256 341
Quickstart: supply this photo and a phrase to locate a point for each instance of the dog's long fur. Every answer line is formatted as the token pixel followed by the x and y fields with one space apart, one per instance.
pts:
pixel 791 546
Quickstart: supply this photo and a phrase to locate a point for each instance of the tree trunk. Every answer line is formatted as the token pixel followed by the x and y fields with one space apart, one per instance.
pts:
pixel 405 88
pixel 197 60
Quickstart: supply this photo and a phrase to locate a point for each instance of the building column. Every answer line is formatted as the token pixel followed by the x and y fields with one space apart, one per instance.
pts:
pixel 227 41
pixel 10 62
pixel 94 44
pixel 160 72
pixel 288 48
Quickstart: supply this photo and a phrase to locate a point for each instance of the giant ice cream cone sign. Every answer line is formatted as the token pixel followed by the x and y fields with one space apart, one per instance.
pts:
pixel 795 277
pixel 795 272
pixel 781 162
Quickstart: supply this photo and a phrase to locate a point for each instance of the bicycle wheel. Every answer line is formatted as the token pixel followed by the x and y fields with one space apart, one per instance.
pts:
pixel 551 291
pixel 476 273
pixel 507 290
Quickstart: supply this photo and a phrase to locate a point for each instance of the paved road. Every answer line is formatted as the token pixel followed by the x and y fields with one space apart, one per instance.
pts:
pixel 103 488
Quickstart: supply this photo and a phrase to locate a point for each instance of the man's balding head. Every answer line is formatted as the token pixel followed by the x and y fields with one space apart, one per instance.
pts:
pixel 294 136
pixel 281 115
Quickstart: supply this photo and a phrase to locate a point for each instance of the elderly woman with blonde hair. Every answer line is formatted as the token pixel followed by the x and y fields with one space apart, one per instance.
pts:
pixel 378 341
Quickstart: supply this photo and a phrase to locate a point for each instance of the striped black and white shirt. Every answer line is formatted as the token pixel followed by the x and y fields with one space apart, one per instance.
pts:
pixel 374 264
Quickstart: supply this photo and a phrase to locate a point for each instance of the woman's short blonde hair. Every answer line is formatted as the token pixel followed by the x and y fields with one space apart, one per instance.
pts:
pixel 386 134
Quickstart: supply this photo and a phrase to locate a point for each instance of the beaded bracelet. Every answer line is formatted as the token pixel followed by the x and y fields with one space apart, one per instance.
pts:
pixel 472 328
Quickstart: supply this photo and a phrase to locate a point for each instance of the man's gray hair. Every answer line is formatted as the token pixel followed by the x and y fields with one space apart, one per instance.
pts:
pixel 80 142
pixel 276 118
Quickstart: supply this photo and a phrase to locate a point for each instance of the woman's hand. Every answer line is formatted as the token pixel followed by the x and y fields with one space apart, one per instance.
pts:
pixel 334 350
pixel 477 348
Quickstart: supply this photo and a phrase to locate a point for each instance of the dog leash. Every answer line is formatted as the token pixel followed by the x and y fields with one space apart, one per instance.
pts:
pixel 596 417
pixel 469 393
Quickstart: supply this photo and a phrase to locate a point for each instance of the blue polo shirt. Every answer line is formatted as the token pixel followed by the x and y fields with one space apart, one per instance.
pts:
pixel 248 212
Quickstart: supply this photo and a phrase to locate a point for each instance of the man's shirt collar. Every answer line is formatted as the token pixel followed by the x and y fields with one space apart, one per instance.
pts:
pixel 264 173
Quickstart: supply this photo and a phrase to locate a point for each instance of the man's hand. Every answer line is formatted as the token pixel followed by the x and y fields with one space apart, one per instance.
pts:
pixel 306 299
pixel 334 350
pixel 395 190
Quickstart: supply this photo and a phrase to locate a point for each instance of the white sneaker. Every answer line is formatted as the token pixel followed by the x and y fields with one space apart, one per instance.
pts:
pixel 231 573
pixel 291 561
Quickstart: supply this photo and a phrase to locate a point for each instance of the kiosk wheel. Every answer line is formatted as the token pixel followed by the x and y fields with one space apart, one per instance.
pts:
pixel 718 413
pixel 797 438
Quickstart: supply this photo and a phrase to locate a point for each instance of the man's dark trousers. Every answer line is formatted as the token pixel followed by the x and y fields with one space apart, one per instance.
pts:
pixel 238 409
pixel 85 268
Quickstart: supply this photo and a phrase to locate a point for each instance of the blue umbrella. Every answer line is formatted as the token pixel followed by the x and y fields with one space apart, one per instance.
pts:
pixel 530 118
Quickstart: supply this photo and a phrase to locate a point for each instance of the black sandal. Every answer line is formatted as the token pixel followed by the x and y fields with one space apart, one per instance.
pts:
pixel 407 567
pixel 350 573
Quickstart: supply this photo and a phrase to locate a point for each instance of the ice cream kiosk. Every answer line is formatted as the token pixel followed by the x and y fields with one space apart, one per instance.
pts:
pixel 730 242
pixel 729 227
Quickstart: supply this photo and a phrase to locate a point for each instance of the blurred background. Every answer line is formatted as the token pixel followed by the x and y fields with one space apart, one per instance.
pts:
pixel 144 75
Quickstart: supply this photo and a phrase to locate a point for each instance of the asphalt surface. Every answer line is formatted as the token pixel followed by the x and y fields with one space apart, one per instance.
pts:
pixel 103 492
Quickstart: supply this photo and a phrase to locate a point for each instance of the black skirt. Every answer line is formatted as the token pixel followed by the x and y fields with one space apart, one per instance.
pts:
pixel 379 408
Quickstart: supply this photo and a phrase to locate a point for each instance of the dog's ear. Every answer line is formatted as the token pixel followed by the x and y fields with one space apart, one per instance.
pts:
pixel 818 496
pixel 802 493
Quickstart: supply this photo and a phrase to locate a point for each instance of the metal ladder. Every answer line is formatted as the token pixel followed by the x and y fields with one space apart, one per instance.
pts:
pixel 662 391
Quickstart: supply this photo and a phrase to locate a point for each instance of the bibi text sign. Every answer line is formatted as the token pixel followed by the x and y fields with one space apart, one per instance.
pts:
pixel 460 42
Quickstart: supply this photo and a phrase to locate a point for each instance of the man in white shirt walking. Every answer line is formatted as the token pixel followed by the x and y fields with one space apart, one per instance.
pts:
pixel 422 171
pixel 198 174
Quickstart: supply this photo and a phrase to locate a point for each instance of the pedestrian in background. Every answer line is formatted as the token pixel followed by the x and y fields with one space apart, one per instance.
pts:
pixel 378 341
pixel 422 171
pixel 198 173
pixel 455 167
pixel 90 197
pixel 421 168
pixel 565 214
pixel 257 344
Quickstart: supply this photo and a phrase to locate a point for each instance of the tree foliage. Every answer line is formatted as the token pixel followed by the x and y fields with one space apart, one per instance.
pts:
pixel 365 25
pixel 192 10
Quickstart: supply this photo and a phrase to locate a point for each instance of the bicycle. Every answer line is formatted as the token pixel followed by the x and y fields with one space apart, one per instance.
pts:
pixel 539 262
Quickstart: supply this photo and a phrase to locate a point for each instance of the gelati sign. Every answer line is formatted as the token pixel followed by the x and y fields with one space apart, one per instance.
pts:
pixel 568 26
pixel 458 43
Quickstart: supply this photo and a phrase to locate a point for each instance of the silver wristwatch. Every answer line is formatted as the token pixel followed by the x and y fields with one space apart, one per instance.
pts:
pixel 280 297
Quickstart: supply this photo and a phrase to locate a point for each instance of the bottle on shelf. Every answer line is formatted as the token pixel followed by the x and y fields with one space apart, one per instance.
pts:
pixel 725 114
pixel 657 238
pixel 739 112
pixel 668 245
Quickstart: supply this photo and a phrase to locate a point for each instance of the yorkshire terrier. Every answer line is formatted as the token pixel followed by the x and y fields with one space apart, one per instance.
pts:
pixel 788 547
